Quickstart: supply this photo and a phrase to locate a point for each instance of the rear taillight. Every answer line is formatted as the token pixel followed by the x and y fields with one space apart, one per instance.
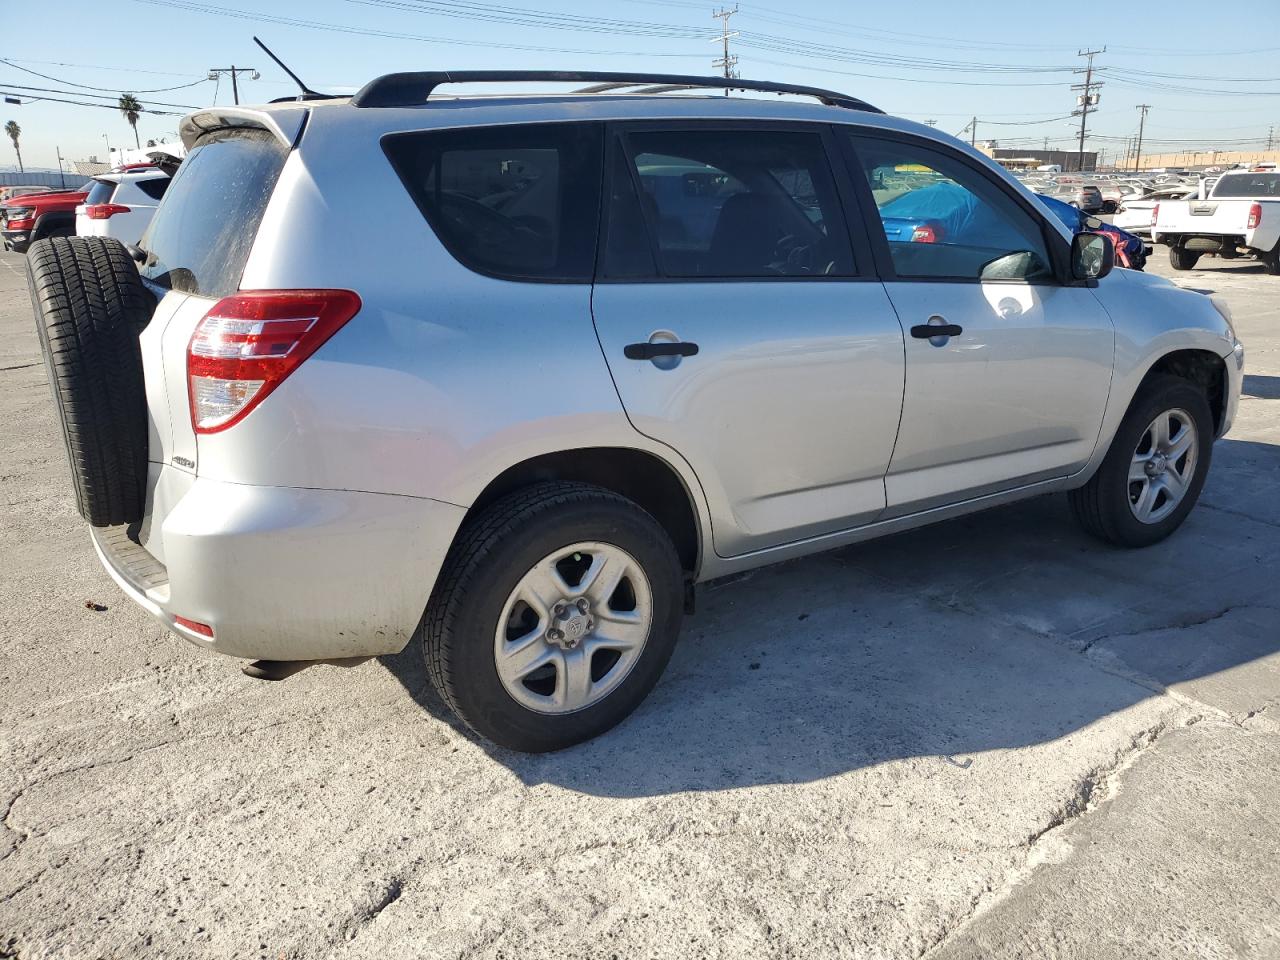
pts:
pixel 1155 214
pixel 927 233
pixel 1255 215
pixel 102 211
pixel 247 344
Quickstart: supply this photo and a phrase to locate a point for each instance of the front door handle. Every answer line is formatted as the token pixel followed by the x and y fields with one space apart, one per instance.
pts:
pixel 927 331
pixel 659 348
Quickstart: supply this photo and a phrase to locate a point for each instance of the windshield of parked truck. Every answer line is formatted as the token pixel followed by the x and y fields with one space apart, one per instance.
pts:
pixel 1248 185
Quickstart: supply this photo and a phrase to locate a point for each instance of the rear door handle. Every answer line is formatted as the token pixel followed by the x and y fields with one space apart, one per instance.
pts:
pixel 660 348
pixel 927 331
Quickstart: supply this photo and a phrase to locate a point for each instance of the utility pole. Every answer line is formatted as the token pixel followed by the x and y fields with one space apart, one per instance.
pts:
pixel 234 71
pixel 728 63
pixel 931 123
pixel 1087 101
pixel 1271 134
pixel 973 132
pixel 62 181
pixel 1142 122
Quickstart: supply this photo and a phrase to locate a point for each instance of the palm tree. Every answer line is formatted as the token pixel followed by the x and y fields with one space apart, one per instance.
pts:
pixel 131 108
pixel 14 131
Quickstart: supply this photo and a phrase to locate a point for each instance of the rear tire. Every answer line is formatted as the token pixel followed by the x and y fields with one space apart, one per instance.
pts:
pixel 1271 261
pixel 482 616
pixel 1183 259
pixel 1109 505
pixel 90 306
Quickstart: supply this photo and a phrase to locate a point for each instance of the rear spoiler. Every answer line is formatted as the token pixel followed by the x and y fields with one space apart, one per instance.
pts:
pixel 284 122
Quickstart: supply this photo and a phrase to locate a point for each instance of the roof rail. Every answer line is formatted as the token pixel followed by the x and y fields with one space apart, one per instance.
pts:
pixel 412 89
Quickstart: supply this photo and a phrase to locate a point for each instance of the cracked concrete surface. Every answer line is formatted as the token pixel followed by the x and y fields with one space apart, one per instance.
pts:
pixel 994 738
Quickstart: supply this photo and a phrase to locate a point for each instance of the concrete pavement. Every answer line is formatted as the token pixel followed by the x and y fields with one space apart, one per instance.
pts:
pixel 992 738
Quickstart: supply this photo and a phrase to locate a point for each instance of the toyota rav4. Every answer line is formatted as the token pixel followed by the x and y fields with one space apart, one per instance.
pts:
pixel 599 346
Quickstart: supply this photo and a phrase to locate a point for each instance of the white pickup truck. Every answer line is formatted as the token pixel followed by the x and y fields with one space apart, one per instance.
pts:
pixel 1239 217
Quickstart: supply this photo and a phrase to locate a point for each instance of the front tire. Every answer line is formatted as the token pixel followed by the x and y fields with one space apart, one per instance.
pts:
pixel 1155 469
pixel 555 615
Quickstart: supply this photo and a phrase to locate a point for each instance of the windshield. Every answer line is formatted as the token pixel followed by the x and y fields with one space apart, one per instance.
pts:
pixel 1248 185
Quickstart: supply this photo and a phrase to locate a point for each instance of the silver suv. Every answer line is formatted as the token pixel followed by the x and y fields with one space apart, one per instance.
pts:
pixel 506 376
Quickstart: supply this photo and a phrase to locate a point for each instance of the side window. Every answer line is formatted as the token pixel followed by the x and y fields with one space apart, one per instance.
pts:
pixel 520 202
pixel 729 203
pixel 944 220
pixel 153 188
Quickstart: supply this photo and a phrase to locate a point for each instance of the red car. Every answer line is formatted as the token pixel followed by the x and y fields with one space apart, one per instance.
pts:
pixel 23 220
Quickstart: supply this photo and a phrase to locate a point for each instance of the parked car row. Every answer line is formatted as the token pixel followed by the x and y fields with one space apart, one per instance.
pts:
pixel 118 204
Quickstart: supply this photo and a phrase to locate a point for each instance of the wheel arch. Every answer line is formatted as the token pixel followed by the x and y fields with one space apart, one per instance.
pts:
pixel 638 475
pixel 46 223
pixel 1204 368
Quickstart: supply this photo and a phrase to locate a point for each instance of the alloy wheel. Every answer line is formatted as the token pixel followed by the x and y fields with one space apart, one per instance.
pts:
pixel 573 628
pixel 1163 466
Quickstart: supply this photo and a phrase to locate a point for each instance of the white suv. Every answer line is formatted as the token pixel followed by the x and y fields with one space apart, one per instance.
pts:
pixel 121 205
pixel 507 375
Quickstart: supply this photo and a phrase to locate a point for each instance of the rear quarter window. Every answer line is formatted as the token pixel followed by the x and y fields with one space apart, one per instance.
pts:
pixel 155 189
pixel 518 202
pixel 200 238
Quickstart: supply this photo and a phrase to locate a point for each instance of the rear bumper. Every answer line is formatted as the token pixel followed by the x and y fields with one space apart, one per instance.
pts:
pixel 282 573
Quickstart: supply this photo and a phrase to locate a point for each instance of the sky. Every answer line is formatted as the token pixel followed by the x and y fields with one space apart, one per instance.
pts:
pixel 1210 81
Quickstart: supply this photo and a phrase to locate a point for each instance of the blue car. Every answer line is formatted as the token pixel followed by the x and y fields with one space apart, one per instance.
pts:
pixel 945 212
pixel 1131 250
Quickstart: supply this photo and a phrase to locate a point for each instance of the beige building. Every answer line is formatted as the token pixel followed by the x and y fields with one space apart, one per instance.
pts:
pixel 1204 158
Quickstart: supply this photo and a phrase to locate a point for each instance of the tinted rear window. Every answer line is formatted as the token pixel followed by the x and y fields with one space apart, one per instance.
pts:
pixel 100 191
pixel 153 188
pixel 1249 185
pixel 519 202
pixel 200 237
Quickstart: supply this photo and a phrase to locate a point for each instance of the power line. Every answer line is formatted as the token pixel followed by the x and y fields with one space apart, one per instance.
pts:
pixel 98 66
pixel 895 79
pixel 82 103
pixel 84 86
pixel 100 96
pixel 256 17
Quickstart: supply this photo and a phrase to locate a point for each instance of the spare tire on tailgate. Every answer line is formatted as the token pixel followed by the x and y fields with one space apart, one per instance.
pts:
pixel 90 306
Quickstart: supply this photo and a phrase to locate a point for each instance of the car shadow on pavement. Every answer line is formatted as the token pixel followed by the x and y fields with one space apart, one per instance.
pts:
pixel 996 631
pixel 1262 387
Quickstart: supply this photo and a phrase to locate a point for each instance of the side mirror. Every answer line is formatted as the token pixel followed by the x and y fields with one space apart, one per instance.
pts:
pixel 1092 256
